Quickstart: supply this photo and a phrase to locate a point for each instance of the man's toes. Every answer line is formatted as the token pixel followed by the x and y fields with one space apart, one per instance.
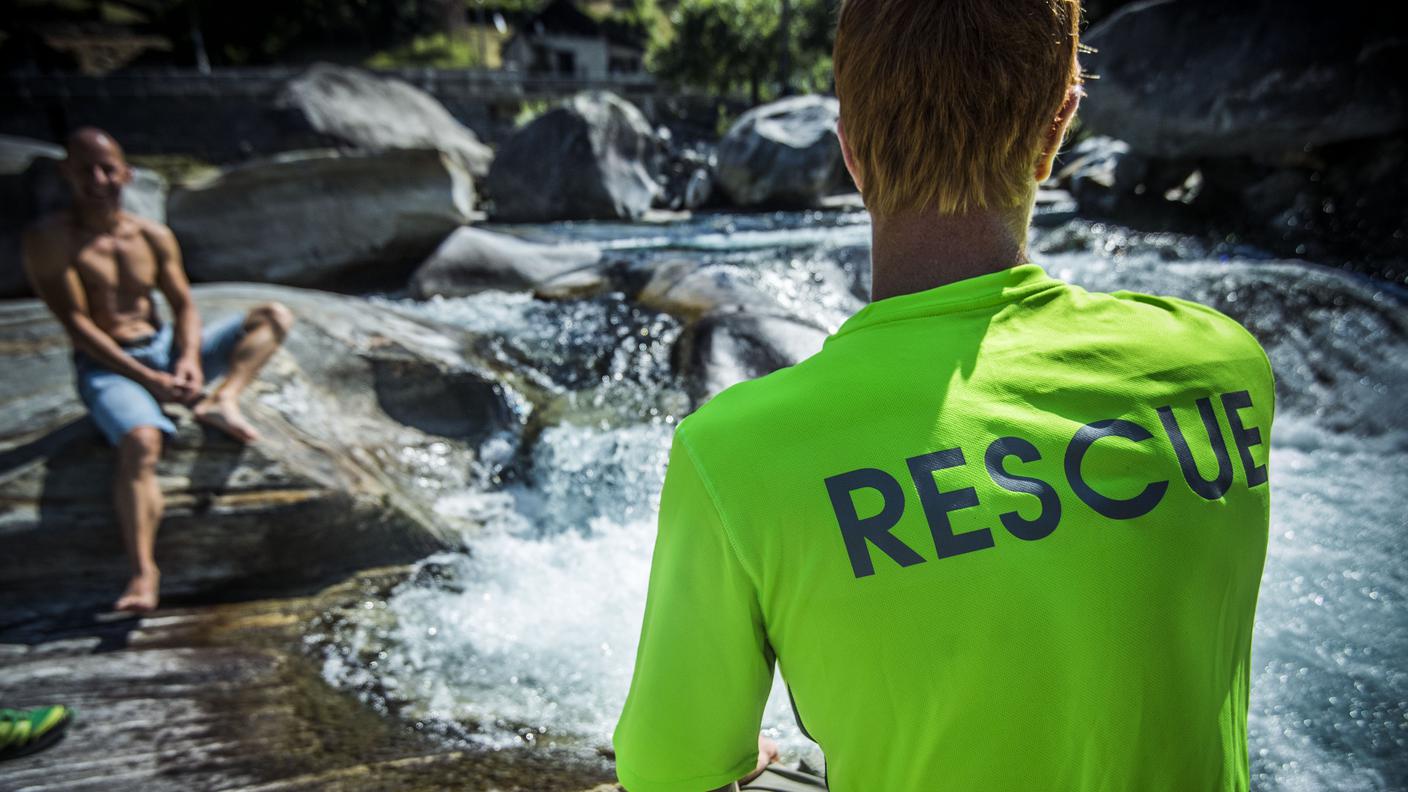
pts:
pixel 228 420
pixel 136 603
pixel 241 428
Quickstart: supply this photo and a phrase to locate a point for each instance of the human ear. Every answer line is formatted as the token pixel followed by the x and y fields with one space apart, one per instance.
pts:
pixel 848 156
pixel 1051 141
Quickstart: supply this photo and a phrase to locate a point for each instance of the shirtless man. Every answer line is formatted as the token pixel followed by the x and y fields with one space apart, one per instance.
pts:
pixel 95 265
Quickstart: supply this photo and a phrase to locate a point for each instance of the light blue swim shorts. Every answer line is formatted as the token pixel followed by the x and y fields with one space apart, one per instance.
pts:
pixel 119 404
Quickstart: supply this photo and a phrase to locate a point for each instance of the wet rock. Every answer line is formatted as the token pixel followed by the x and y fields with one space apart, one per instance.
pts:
pixel 226 697
pixel 743 320
pixel 1199 78
pixel 783 154
pixel 690 289
pixel 1347 206
pixel 698 189
pixel 1101 173
pixel 365 415
pixel 720 350
pixel 472 259
pixel 31 186
pixel 321 218
pixel 590 157
pixel 362 110
pixel 1052 208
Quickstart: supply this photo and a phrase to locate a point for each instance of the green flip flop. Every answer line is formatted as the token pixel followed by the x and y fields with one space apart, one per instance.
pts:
pixel 22 732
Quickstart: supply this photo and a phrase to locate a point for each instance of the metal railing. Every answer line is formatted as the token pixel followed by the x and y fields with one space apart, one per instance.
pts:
pixel 263 81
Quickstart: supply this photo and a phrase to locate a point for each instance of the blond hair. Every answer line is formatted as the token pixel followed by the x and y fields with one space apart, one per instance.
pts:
pixel 946 103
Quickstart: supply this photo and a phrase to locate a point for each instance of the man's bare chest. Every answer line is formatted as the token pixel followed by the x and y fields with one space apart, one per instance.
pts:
pixel 116 264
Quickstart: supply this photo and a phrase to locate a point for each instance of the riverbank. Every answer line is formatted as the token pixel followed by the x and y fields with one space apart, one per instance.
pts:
pixel 224 696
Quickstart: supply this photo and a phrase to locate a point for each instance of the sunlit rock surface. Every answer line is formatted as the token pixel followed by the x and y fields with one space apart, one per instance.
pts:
pixel 320 218
pixel 222 697
pixel 366 416
pixel 472 260
pixel 366 111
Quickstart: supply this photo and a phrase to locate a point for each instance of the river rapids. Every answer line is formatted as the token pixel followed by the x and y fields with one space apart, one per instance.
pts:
pixel 528 636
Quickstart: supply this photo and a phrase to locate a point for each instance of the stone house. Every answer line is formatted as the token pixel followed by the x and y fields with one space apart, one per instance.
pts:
pixel 562 41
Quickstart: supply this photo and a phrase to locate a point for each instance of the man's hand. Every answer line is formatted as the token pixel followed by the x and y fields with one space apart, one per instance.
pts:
pixel 188 378
pixel 164 387
pixel 767 754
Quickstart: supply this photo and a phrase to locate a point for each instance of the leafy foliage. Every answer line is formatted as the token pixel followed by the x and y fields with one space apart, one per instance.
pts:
pixel 728 46
pixel 441 50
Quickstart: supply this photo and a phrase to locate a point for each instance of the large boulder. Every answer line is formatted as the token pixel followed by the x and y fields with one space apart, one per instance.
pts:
pixel 365 416
pixel 16 153
pixel 472 260
pixel 1202 78
pixel 322 218
pixel 783 154
pixel 589 158
pixel 31 186
pixel 375 113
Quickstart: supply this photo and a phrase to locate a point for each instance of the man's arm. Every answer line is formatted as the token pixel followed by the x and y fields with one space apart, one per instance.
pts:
pixel 171 279
pixel 49 269
pixel 704 664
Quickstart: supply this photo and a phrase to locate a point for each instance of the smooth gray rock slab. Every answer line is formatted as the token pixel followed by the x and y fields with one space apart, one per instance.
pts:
pixel 320 218
pixel 365 416
pixel 376 113
pixel 472 260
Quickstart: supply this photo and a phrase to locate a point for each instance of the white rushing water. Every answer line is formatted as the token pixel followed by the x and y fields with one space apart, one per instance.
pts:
pixel 532 632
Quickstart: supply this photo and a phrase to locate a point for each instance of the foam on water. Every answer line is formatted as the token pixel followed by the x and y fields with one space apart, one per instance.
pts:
pixel 532 633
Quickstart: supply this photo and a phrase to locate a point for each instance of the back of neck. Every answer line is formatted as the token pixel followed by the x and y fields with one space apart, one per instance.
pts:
pixel 915 252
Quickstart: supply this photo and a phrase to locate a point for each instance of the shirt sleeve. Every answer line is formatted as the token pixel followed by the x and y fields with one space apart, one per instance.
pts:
pixel 703 667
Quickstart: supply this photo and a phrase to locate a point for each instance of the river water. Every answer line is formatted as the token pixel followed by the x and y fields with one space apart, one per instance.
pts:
pixel 528 637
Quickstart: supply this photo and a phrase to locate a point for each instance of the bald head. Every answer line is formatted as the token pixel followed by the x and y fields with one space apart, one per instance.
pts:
pixel 91 140
pixel 96 168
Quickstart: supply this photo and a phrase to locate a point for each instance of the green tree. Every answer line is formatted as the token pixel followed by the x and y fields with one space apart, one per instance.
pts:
pixel 730 46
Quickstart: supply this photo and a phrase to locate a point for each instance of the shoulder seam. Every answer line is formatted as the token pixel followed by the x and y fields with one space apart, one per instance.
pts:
pixel 1206 309
pixel 1246 335
pixel 718 509
pixel 1265 361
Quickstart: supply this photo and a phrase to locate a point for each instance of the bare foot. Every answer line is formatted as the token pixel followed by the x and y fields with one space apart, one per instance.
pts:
pixel 141 593
pixel 224 414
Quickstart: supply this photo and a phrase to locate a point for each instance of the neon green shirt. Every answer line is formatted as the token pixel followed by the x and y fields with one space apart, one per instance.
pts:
pixel 1002 534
